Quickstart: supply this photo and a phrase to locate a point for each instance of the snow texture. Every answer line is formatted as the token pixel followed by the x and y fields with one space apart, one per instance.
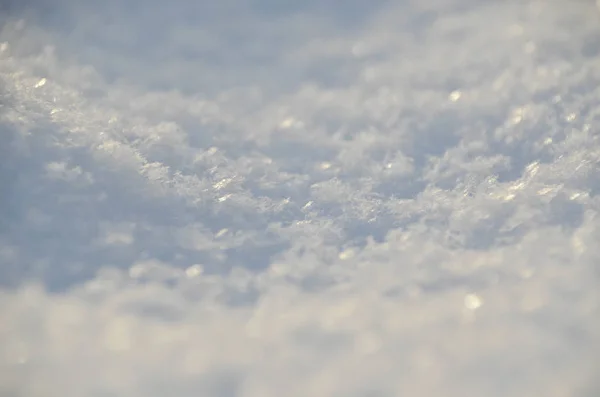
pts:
pixel 264 198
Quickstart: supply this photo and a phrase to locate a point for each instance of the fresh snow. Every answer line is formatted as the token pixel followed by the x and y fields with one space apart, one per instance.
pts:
pixel 262 198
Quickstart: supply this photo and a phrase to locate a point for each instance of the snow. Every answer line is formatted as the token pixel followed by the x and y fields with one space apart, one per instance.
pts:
pixel 259 198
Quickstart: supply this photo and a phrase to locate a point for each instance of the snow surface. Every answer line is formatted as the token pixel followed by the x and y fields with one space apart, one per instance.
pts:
pixel 264 198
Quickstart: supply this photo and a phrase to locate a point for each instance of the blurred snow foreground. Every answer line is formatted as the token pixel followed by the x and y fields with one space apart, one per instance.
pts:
pixel 326 198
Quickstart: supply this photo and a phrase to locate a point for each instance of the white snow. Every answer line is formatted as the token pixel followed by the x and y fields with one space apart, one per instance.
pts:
pixel 321 198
